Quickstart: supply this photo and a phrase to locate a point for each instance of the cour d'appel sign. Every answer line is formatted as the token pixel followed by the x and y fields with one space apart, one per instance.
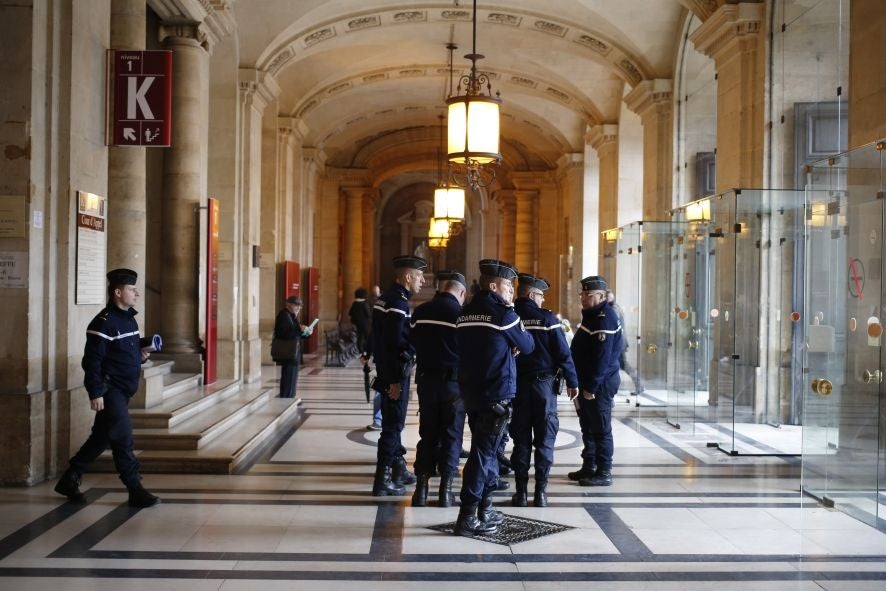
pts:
pixel 140 98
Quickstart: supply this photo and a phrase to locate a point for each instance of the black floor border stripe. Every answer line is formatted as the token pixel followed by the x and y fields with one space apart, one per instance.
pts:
pixel 82 543
pixel 36 528
pixel 387 535
pixel 618 532
pixel 675 576
pixel 657 439
pixel 766 449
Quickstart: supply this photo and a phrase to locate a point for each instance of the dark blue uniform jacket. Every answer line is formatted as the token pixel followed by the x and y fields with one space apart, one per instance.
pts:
pixel 113 355
pixel 598 342
pixel 390 334
pixel 488 329
pixel 433 332
pixel 551 351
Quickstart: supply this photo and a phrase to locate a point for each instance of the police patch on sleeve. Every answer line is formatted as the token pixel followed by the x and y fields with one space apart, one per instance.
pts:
pixel 602 336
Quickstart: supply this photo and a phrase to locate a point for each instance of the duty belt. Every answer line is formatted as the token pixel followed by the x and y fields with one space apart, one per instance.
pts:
pixel 448 374
pixel 535 376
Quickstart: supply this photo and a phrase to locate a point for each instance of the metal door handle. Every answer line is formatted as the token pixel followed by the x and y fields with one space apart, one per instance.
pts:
pixel 872 377
pixel 822 386
pixel 651 349
pixel 693 344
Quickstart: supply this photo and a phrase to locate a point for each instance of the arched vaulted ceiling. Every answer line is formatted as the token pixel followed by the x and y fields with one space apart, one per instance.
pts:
pixel 356 71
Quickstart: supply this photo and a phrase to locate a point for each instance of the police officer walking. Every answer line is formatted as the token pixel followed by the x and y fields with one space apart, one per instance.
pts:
pixel 598 342
pixel 441 417
pixel 490 336
pixel 535 406
pixel 394 356
pixel 112 363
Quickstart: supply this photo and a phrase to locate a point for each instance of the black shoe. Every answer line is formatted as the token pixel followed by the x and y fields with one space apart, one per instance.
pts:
pixel 519 499
pixel 584 472
pixel 139 497
pixel 69 485
pixel 445 496
pixel 541 496
pixel 487 513
pixel 502 484
pixel 469 526
pixel 400 474
pixel 463 453
pixel 504 465
pixel 383 486
pixel 420 495
pixel 601 478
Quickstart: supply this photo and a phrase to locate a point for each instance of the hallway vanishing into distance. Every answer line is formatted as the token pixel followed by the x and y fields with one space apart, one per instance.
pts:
pixel 679 515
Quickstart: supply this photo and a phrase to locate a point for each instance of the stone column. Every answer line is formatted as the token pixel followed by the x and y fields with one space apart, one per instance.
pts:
pixel 507 235
pixel 525 243
pixel 127 200
pixel 352 269
pixel 327 256
pixel 733 38
pixel 867 72
pixel 604 140
pixel 571 179
pixel 370 203
pixel 184 192
pixel 652 101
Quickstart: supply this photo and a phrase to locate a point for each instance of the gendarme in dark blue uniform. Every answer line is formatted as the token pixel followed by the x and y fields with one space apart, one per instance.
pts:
pixel 490 335
pixel 595 349
pixel 394 356
pixel 535 407
pixel 441 412
pixel 112 361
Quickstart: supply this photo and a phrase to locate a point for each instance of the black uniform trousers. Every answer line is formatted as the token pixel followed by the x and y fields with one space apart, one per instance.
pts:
pixel 112 427
pixel 441 422
pixel 480 475
pixel 288 379
pixel 534 424
pixel 393 419
pixel 596 425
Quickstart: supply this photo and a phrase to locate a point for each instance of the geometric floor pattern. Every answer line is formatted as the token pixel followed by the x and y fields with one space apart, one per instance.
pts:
pixel 512 530
pixel 679 516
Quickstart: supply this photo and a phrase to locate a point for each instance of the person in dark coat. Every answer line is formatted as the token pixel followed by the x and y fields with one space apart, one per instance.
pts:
pixel 361 317
pixel 112 361
pixel 288 328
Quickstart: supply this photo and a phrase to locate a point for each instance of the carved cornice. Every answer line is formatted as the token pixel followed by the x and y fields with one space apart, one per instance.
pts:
pixel 314 156
pixel 600 136
pixel 730 24
pixel 297 127
pixel 258 87
pixel 195 33
pixel 649 95
pixel 703 9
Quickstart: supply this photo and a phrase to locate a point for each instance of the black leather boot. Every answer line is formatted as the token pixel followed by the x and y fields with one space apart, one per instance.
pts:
pixel 541 496
pixel 601 478
pixel 519 498
pixel 487 512
pixel 383 485
pixel 446 498
pixel 420 495
pixel 400 474
pixel 502 484
pixel 586 471
pixel 69 485
pixel 139 497
pixel 468 525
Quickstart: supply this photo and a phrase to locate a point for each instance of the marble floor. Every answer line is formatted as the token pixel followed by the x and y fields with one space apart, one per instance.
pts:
pixel 680 515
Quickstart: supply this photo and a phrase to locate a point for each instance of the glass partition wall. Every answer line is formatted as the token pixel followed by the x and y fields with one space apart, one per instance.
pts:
pixel 735 283
pixel 844 413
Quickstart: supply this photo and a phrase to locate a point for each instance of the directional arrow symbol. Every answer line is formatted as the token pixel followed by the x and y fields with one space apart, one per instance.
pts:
pixel 129 134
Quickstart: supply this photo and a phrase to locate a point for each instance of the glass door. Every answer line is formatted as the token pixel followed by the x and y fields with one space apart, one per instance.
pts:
pixel 844 415
pixel 627 296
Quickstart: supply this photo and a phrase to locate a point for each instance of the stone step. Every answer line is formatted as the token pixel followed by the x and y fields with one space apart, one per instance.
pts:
pixel 206 425
pixel 234 451
pixel 179 408
pixel 176 383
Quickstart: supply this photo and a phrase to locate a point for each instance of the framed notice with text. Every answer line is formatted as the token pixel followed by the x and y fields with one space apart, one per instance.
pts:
pixel 92 248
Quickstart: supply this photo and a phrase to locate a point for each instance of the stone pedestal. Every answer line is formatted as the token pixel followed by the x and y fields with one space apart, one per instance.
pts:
pixel 652 100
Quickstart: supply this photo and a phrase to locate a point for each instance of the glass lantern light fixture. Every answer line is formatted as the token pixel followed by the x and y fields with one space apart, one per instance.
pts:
pixel 473 125
pixel 438 233
pixel 449 200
